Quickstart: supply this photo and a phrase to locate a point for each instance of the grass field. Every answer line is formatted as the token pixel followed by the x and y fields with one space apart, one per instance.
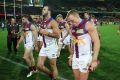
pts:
pixel 13 67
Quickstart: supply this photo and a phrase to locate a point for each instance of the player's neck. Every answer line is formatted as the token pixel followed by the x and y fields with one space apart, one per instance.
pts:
pixel 27 22
pixel 47 17
pixel 62 20
pixel 13 24
pixel 79 21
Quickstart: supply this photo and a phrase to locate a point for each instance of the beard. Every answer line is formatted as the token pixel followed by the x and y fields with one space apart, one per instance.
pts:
pixel 45 14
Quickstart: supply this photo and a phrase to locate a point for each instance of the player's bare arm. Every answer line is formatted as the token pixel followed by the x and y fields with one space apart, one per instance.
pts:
pixel 55 33
pixel 67 28
pixel 20 40
pixel 96 44
pixel 34 31
pixel 55 28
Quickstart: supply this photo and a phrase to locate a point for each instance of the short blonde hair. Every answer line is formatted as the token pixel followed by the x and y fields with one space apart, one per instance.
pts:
pixel 59 15
pixel 72 12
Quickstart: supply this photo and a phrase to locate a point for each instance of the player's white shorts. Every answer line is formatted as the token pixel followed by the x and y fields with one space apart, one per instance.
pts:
pixel 66 40
pixel 50 51
pixel 39 38
pixel 82 63
pixel 29 46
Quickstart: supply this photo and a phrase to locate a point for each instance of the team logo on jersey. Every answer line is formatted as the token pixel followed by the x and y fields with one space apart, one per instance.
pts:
pixel 61 26
pixel 80 31
pixel 45 25
pixel 85 69
pixel 53 55
pixel 79 41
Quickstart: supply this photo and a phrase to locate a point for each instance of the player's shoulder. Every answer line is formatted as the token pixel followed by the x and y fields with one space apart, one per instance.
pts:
pixel 89 25
pixel 53 21
pixel 32 26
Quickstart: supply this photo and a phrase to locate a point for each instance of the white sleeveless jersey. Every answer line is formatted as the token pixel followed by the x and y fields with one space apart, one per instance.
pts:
pixel 47 40
pixel 82 40
pixel 50 40
pixel 28 39
pixel 84 45
pixel 63 29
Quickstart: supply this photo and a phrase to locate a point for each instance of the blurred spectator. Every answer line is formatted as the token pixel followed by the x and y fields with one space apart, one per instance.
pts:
pixel 3 26
pixel 13 29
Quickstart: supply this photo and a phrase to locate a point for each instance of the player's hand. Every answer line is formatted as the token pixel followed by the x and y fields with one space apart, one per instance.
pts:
pixel 43 31
pixel 17 46
pixel 93 65
pixel 70 61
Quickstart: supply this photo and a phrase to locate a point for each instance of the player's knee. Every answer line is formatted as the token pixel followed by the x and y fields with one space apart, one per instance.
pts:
pixel 53 64
pixel 40 65
pixel 77 78
pixel 81 79
pixel 31 57
pixel 25 57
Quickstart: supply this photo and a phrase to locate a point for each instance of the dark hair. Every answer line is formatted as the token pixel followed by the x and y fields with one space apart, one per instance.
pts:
pixel 28 17
pixel 49 7
pixel 92 16
pixel 87 13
